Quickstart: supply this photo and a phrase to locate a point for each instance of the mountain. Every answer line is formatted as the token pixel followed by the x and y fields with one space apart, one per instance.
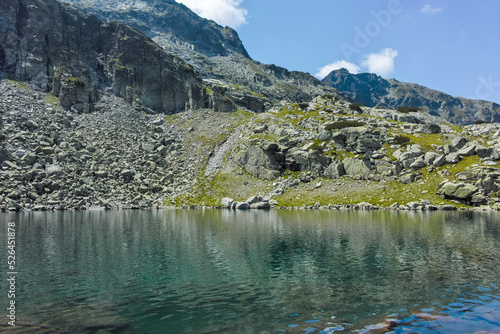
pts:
pixel 170 20
pixel 216 53
pixel 77 58
pixel 94 113
pixel 372 90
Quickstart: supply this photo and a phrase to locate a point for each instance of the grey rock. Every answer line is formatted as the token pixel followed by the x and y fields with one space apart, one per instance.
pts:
pixel 354 166
pixel 29 158
pixel 453 158
pixel 260 129
pixel 325 135
pixel 418 164
pixel 407 178
pixel 269 146
pixel 242 206
pixel 458 142
pixel 431 128
pixel 334 171
pixel 465 192
pixel 449 149
pixel 227 202
pixel 260 206
pixel 459 190
pixel 53 170
pixel 468 150
pixel 101 173
pixel 447 207
pixel 4 155
pixel 262 164
pixel 396 168
pixel 127 175
pixel 253 200
pixel 439 161
pixel 430 157
pixel 478 199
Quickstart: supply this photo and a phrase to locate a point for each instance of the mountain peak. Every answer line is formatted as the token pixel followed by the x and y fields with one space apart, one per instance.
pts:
pixel 170 20
pixel 372 90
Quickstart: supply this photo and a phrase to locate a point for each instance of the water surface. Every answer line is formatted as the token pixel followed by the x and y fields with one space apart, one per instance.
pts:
pixel 218 271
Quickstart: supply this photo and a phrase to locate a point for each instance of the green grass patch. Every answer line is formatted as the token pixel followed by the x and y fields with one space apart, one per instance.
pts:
pixel 343 124
pixel 18 84
pixel 53 100
pixel 236 184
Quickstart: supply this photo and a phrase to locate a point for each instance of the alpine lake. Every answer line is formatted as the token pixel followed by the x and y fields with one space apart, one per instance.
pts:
pixel 278 271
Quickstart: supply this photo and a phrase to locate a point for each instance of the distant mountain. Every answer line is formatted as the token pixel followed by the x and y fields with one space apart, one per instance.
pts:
pixel 372 90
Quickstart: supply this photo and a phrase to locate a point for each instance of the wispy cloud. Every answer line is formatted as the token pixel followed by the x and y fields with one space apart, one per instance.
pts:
pixel 325 70
pixel 224 12
pixel 381 63
pixel 430 10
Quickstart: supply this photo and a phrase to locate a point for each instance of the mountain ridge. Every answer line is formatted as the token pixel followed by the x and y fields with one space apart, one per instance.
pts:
pixel 372 90
pixel 230 73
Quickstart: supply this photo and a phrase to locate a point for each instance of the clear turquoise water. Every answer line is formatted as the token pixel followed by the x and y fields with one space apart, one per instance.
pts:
pixel 256 272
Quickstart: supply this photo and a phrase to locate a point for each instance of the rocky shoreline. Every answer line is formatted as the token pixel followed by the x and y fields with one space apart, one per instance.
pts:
pixel 124 156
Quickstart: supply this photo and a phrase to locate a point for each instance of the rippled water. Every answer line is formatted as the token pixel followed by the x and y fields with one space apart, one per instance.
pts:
pixel 257 272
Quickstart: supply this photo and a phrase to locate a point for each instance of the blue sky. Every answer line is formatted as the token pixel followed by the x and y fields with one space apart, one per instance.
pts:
pixel 451 46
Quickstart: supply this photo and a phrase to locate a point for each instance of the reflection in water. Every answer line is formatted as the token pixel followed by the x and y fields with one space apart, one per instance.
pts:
pixel 248 272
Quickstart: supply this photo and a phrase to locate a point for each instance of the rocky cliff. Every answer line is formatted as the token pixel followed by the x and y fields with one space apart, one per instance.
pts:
pixel 170 20
pixel 75 57
pixel 372 90
pixel 234 79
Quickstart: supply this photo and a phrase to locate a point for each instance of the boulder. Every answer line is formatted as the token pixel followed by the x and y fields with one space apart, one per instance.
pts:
pixel 269 146
pixel 407 178
pixel 4 155
pixel 242 206
pixel 334 171
pixel 429 157
pixel 453 158
pixel 465 192
pixel 458 142
pixel 227 202
pixel 253 199
pixel 431 128
pixel 461 191
pixel 53 170
pixel 29 158
pixel 354 166
pixel 260 206
pixel 439 161
pixel 418 164
pixel 325 135
pixel 468 150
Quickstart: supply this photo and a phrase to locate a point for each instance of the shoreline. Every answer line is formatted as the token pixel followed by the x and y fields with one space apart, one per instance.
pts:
pixel 330 207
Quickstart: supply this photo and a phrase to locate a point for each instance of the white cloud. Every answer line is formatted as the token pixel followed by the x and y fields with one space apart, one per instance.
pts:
pixel 380 63
pixel 325 70
pixel 224 12
pixel 429 9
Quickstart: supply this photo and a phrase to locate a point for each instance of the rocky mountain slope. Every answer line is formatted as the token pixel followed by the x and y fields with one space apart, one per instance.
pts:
pixel 318 154
pixel 372 90
pixel 97 115
pixel 76 57
pixel 170 20
pixel 217 53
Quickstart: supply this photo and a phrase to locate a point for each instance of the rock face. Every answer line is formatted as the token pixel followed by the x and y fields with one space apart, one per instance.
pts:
pixel 235 81
pixel 75 56
pixel 169 19
pixel 372 90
